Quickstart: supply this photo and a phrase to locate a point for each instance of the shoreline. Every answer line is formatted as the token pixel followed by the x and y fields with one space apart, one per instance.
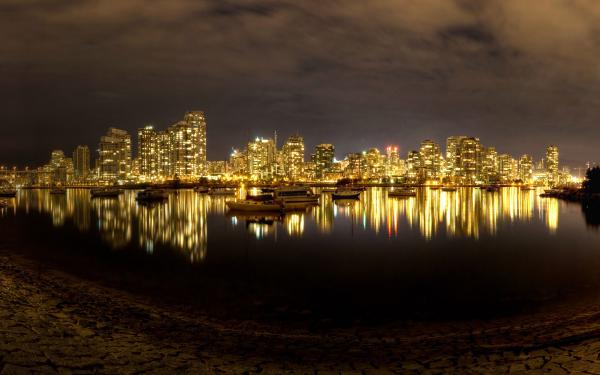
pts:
pixel 47 314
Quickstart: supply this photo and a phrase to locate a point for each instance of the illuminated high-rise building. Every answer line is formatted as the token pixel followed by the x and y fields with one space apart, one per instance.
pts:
pixel 414 166
pixel 469 152
pixel 323 159
pixel 81 162
pixel 58 167
pixel 163 157
pixel 526 168
pixel 238 163
pixel 114 155
pixel 293 157
pixel 261 158
pixel 489 168
pixel 355 165
pixel 147 153
pixel 431 158
pixel 187 144
pixel 506 168
pixel 552 164
pixel 374 161
pixel 392 162
pixel 452 167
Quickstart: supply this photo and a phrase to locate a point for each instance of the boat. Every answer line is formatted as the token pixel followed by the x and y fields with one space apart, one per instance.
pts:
pixel 434 187
pixel 345 194
pixel 221 191
pixel 527 187
pixel 353 187
pixel 57 190
pixel 106 192
pixel 405 192
pixel 492 188
pixel 267 190
pixel 449 188
pixel 152 195
pixel 201 189
pixel 328 190
pixel 8 193
pixel 295 194
pixel 259 197
pixel 254 206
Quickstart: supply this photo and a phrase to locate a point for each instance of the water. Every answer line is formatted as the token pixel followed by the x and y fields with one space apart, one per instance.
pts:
pixel 466 253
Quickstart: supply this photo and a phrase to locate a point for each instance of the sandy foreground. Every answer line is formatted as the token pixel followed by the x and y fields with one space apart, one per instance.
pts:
pixel 51 322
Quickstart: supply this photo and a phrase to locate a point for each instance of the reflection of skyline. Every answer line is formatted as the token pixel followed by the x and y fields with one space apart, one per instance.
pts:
pixel 182 221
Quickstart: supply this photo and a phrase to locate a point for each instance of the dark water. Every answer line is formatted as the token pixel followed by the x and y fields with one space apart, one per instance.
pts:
pixel 468 253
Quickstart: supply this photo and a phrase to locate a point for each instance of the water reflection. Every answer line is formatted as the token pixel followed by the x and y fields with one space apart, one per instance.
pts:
pixel 182 221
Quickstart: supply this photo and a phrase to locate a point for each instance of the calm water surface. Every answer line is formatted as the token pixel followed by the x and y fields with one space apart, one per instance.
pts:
pixel 469 252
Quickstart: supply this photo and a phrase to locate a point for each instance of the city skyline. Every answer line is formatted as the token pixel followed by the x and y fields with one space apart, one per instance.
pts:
pixel 354 74
pixel 179 152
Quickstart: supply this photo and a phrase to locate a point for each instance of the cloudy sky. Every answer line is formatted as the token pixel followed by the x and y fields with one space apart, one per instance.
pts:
pixel 520 74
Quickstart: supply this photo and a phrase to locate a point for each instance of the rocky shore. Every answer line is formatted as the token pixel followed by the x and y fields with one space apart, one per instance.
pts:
pixel 53 323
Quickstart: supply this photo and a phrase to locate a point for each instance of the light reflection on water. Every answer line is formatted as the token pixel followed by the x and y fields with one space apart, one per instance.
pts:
pixel 183 221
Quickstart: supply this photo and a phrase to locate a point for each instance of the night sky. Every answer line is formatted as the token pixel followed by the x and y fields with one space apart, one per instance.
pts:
pixel 519 74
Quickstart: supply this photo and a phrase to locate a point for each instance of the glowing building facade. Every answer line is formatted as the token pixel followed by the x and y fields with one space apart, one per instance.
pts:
pixel 81 163
pixel 114 155
pixel 293 157
pixel 323 159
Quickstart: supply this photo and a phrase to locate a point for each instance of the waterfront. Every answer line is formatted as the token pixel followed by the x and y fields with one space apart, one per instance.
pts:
pixel 469 253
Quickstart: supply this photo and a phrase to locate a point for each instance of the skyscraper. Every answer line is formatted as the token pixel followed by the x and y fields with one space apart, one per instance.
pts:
pixel 114 155
pixel 187 144
pixel 453 154
pixel 526 169
pixel 261 155
pixel 293 157
pixel 431 158
pixel 469 152
pixel 552 164
pixel 81 162
pixel 147 153
pixel 323 159
pixel 489 169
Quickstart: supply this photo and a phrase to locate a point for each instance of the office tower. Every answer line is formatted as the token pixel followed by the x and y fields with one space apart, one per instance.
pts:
pixel 526 169
pixel 58 167
pixel 163 157
pixel 238 163
pixel 261 155
pixel 81 162
pixel 323 159
pixel 431 158
pixel 552 165
pixel 453 155
pixel 392 161
pixel 374 163
pixel 197 120
pixel 147 153
pixel 114 155
pixel 293 157
pixel 356 165
pixel 489 168
pixel 414 167
pixel 469 156
pixel 506 166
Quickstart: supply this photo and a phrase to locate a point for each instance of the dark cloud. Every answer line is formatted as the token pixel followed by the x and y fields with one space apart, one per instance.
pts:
pixel 518 73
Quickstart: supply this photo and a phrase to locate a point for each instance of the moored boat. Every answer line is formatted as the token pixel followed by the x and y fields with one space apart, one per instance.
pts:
pixel 222 191
pixel 57 190
pixel 405 192
pixel 346 194
pixel 152 195
pixel 296 194
pixel 254 206
pixel 106 192
pixel 527 187
pixel 492 188
pixel 259 197
pixel 8 193
pixel 449 188
pixel 201 189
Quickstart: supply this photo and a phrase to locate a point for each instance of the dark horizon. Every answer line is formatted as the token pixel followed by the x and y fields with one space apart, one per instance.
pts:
pixel 517 75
